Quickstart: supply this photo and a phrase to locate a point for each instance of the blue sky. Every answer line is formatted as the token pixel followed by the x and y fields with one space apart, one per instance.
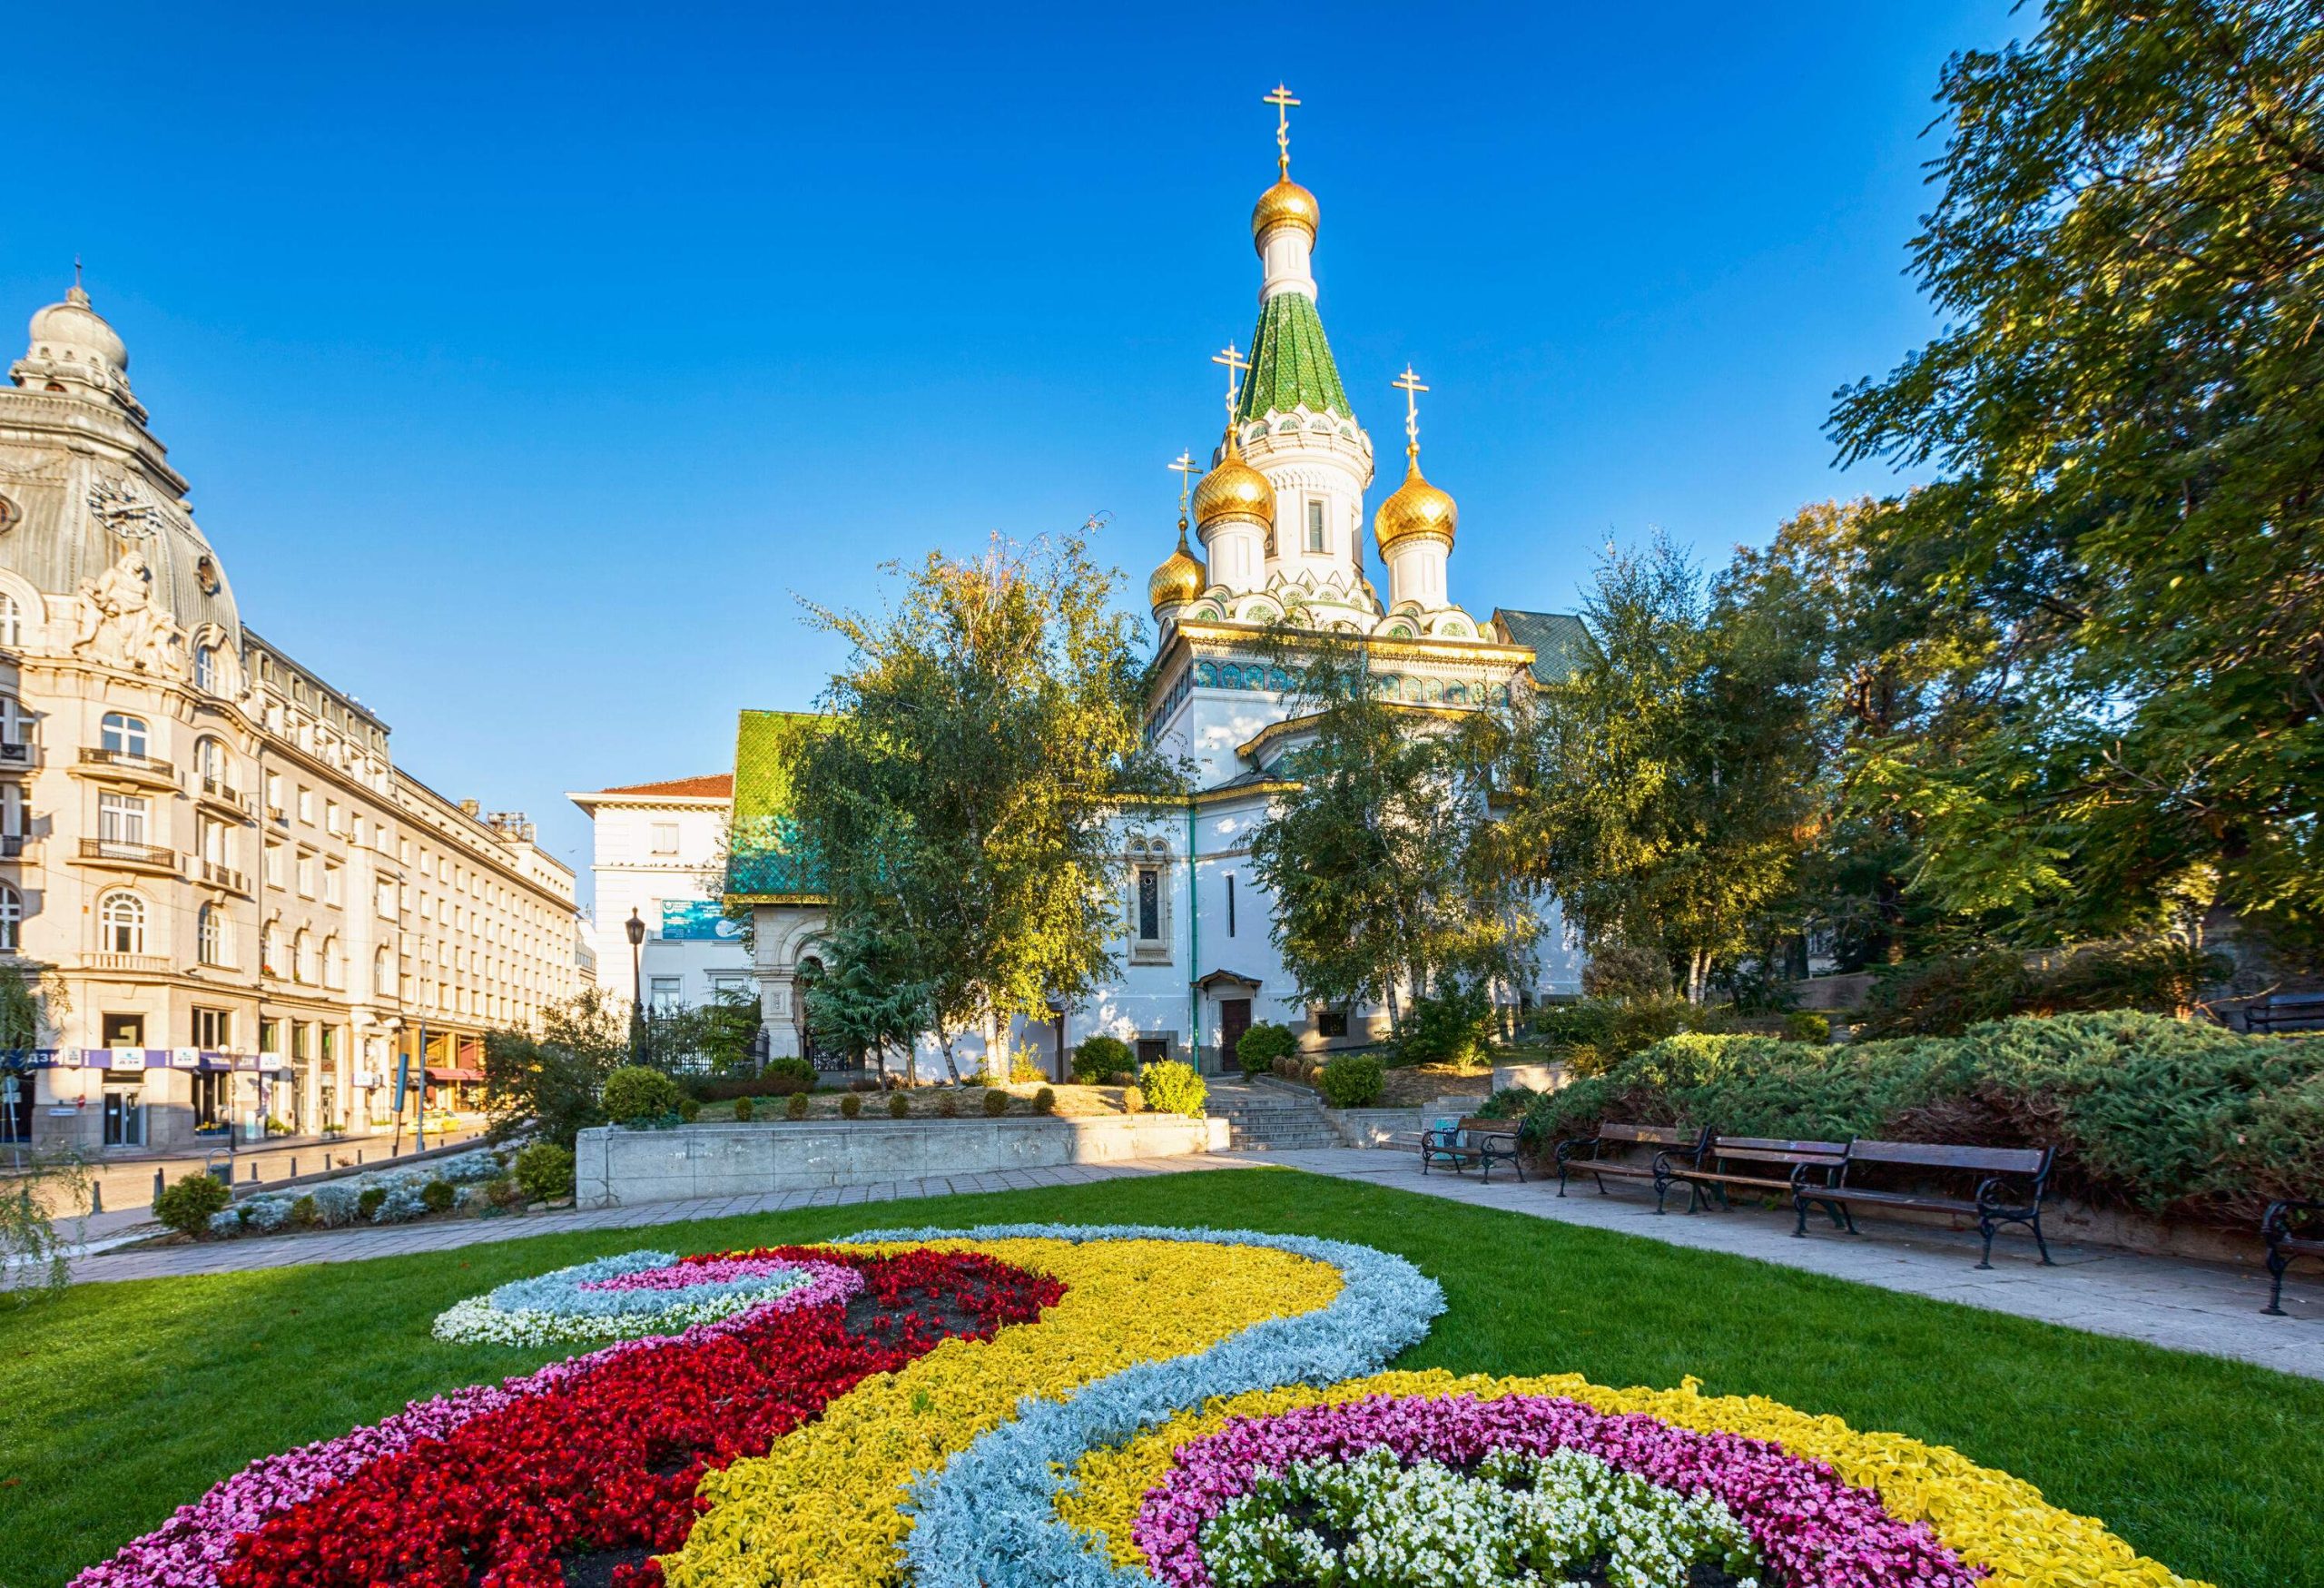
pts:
pixel 529 362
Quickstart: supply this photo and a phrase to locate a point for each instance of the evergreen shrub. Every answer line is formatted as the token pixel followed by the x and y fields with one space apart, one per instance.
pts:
pixel 1805 1025
pixel 545 1171
pixel 1450 1028
pixel 743 1110
pixel 186 1204
pixel 1352 1081
pixel 1045 1100
pixel 899 1106
pixel 1260 1047
pixel 996 1103
pixel 437 1196
pixel 635 1095
pixel 796 1107
pixel 1133 1100
pixel 851 1105
pixel 1172 1087
pixel 2171 1117
pixel 1101 1060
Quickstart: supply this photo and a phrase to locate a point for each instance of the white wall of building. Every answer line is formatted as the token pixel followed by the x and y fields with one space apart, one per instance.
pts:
pixel 652 846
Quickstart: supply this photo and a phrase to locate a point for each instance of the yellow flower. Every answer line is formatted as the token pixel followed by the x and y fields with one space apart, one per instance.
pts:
pixel 1988 1518
pixel 820 1507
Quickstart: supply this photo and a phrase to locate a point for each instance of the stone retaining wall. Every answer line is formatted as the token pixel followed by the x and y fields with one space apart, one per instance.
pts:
pixel 617 1168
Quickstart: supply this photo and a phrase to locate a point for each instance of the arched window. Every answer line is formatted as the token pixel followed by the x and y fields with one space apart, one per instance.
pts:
pixel 205 668
pixel 120 924
pixel 383 974
pixel 333 967
pixel 11 920
pixel 302 956
pixel 210 936
pixel 268 943
pixel 12 622
pixel 123 735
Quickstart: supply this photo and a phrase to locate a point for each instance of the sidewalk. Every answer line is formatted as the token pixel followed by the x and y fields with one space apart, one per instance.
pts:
pixel 2184 1306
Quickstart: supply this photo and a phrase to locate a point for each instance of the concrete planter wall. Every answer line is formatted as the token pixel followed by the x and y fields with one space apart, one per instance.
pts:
pixel 616 1168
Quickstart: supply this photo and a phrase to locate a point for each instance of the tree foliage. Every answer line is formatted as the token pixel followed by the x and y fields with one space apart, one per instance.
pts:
pixel 2127 415
pixel 551 1084
pixel 1661 788
pixel 1382 861
pixel 984 732
pixel 872 995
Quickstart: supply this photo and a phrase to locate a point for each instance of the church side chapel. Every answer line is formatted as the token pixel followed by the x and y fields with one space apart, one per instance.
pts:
pixel 1270 544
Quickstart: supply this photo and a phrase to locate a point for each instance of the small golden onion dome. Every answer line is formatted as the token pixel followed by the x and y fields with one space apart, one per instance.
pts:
pixel 1180 578
pixel 1285 205
pixel 1416 509
pixel 1233 490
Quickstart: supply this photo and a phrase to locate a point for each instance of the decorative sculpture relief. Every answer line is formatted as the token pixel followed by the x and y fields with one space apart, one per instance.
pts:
pixel 116 622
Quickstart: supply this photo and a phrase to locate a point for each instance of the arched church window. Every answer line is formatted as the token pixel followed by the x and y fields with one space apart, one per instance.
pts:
pixel 1315 524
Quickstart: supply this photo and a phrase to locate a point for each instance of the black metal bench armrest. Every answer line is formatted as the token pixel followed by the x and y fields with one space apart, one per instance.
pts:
pixel 1675 1161
pixel 1994 1196
pixel 2277 1221
pixel 1800 1171
pixel 1567 1150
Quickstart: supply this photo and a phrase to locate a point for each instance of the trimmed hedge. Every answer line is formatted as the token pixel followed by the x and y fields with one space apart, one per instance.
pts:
pixel 1351 1081
pixel 783 1076
pixel 1102 1059
pixel 1259 1048
pixel 1173 1087
pixel 635 1095
pixel 2171 1117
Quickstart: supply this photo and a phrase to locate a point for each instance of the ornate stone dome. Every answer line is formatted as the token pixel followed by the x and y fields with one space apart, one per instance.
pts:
pixel 1180 578
pixel 1286 204
pixel 1233 490
pixel 72 330
pixel 1416 509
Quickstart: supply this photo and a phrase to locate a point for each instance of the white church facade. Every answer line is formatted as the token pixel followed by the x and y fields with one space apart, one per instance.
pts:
pixel 1277 538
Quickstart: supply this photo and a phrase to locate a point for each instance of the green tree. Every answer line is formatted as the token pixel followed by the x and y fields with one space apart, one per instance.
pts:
pixel 551 1084
pixel 1661 787
pixel 869 999
pixel 2127 415
pixel 984 734
pixel 1381 862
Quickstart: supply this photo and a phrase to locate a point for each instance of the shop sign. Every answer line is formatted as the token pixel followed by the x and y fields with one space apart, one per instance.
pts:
pixel 125 1058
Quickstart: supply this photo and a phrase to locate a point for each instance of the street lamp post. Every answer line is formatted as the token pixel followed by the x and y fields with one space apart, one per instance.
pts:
pixel 635 929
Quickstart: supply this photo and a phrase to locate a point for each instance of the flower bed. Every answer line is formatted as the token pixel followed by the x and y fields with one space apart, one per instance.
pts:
pixel 1063 1406
pixel 332 1204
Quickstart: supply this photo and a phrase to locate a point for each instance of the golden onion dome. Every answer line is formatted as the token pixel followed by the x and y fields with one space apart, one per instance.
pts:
pixel 1285 205
pixel 1233 490
pixel 1417 508
pixel 1180 578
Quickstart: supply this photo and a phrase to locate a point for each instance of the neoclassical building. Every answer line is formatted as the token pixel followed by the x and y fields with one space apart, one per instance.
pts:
pixel 238 907
pixel 1275 535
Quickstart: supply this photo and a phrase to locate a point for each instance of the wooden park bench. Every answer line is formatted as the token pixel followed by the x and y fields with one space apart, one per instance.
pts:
pixel 2286 1012
pixel 2010 1184
pixel 1474 1139
pixel 2292 1229
pixel 1607 1154
pixel 1777 1165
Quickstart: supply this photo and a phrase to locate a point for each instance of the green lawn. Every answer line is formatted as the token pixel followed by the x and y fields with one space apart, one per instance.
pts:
pixel 125 1401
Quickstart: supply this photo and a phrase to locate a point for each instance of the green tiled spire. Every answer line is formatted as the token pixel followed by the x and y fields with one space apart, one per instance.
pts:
pixel 1291 363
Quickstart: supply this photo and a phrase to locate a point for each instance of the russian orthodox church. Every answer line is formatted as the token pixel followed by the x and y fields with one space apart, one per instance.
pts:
pixel 1278 518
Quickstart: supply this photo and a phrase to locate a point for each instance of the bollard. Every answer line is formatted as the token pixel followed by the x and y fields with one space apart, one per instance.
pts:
pixel 359 1158
pixel 253 1171
pixel 157 1184
pixel 96 1197
pixel 294 1169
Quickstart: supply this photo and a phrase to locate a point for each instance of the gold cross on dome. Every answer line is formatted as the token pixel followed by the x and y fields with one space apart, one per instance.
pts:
pixel 1283 101
pixel 1186 469
pixel 1409 384
pixel 1236 364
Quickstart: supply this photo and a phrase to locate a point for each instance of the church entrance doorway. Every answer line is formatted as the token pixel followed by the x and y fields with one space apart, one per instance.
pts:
pixel 1234 1020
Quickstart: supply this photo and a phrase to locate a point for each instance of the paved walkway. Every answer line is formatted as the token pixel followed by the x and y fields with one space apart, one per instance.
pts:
pixel 2185 1305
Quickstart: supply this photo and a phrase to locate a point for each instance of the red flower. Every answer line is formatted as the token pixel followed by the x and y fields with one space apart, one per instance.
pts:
pixel 609 1461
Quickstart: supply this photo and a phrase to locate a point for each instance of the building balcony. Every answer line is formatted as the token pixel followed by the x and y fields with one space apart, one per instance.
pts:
pixel 19 758
pixel 141 965
pixel 223 876
pixel 224 797
pixel 128 768
pixel 144 857
pixel 16 846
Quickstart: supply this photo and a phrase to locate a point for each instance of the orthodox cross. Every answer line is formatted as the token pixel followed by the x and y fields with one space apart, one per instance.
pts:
pixel 1186 469
pixel 1281 98
pixel 1283 101
pixel 1236 364
pixel 1409 384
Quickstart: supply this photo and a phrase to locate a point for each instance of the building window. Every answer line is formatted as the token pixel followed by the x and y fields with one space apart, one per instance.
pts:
pixel 307 876
pixel 213 1029
pixel 665 994
pixel 209 935
pixel 1230 903
pixel 267 944
pixel 121 820
pixel 302 956
pixel 383 899
pixel 1149 904
pixel 16 724
pixel 334 818
pixel 120 924
pixel 383 974
pixel 123 735
pixel 1314 524
pixel 665 838
pixel 205 668
pixel 11 920
pixel 12 622
pixel 306 804
pixel 274 794
pixel 333 966
pixel 332 893
pixel 1331 1023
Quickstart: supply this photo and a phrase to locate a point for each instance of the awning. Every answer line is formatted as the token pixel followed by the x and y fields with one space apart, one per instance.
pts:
pixel 450 1072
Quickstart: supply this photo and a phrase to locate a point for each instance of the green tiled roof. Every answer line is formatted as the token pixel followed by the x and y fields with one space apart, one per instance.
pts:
pixel 1291 363
pixel 765 857
pixel 1559 640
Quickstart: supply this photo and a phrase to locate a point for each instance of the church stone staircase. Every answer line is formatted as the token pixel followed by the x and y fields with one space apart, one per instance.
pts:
pixel 1262 1118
